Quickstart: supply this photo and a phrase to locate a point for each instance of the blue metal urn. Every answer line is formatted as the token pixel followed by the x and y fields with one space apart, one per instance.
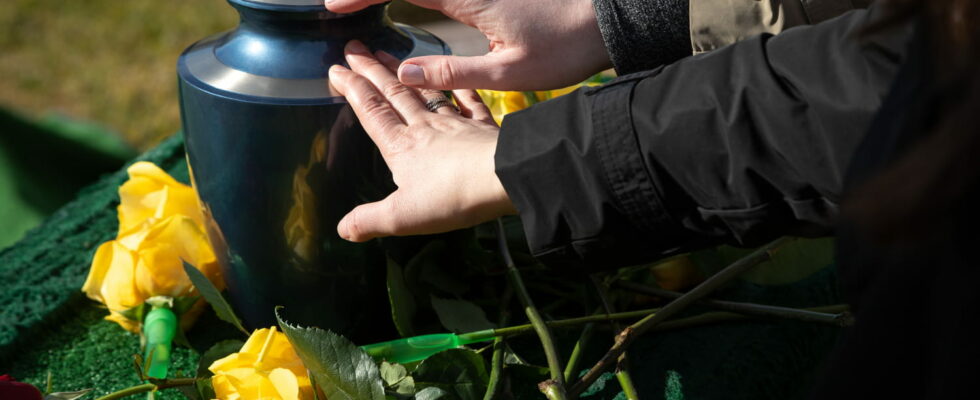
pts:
pixel 277 158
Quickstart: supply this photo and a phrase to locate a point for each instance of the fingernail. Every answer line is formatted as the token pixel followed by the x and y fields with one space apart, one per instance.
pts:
pixel 327 2
pixel 411 74
pixel 356 47
pixel 337 69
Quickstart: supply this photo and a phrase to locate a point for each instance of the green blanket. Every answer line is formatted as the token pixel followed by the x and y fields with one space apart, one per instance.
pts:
pixel 47 325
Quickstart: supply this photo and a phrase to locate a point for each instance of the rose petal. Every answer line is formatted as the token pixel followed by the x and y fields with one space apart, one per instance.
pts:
pixel 285 383
pixel 152 194
pixel 96 274
pixel 125 323
pixel 229 362
pixel 118 287
pixel 160 272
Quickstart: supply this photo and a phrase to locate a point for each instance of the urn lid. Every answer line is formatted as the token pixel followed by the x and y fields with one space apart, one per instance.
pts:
pixel 288 2
pixel 279 3
pixel 283 5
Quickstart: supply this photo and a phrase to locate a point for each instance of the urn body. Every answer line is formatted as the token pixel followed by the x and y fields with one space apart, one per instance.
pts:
pixel 277 158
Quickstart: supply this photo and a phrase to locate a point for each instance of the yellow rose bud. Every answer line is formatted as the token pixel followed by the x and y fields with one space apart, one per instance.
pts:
pixel 151 194
pixel 266 367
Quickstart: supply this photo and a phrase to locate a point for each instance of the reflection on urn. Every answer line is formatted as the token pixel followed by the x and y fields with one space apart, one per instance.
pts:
pixel 301 227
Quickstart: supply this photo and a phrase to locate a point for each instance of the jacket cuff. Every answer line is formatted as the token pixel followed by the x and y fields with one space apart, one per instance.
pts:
pixel 573 169
pixel 644 34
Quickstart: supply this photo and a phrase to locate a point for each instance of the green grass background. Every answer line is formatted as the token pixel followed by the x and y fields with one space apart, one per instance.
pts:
pixel 111 61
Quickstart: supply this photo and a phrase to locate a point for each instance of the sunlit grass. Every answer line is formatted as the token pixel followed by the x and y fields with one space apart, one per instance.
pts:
pixel 108 61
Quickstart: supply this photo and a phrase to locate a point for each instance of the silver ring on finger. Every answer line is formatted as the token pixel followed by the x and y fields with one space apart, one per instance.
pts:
pixel 435 103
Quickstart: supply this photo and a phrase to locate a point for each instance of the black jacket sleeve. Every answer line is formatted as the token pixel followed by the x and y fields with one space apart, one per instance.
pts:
pixel 739 145
pixel 643 34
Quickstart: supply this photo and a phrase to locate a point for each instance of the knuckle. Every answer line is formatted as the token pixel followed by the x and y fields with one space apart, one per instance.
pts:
pixel 374 104
pixel 389 210
pixel 394 89
pixel 447 73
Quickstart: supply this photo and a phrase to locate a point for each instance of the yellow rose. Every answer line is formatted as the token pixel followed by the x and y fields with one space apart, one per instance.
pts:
pixel 160 228
pixel 503 103
pixel 148 262
pixel 677 274
pixel 266 367
pixel 151 194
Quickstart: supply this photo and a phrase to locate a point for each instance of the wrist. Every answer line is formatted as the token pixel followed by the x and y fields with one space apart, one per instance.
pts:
pixel 593 45
pixel 491 200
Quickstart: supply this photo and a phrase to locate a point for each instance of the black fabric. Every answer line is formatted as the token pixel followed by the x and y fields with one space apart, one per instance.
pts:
pixel 739 145
pixel 751 142
pixel 657 29
pixel 915 303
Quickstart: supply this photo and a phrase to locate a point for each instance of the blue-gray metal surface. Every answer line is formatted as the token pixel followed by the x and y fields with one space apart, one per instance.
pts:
pixel 277 159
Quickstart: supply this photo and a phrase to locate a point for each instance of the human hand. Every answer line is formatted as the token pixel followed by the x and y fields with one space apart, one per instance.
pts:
pixel 534 45
pixel 442 161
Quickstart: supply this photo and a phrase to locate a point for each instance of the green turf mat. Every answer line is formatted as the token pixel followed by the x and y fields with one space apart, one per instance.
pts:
pixel 43 272
pixel 46 324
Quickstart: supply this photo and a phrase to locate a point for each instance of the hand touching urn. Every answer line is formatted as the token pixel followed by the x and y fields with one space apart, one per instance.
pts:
pixel 526 37
pixel 442 162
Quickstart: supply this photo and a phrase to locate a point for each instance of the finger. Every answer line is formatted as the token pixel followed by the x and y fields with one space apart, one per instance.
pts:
pixel 405 99
pixel 379 119
pixel 453 72
pixel 368 221
pixel 388 60
pixel 471 106
pixel 393 62
pixel 349 6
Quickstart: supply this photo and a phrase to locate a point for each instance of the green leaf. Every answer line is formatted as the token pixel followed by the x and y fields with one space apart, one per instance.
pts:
pixel 461 316
pixel 137 313
pixel 343 370
pixel 190 392
pixel 460 372
pixel 67 395
pixel 314 385
pixel 48 382
pixel 406 386
pixel 220 350
pixel 211 294
pixel 184 304
pixel 396 377
pixel 430 393
pixel 392 373
pixel 205 390
pixel 402 301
